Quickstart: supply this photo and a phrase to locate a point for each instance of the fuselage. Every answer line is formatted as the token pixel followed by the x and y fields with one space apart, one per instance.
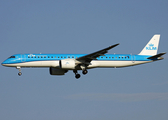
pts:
pixel 52 60
pixel 59 64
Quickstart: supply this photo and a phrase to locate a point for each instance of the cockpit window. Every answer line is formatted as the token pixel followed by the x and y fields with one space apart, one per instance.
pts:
pixel 12 57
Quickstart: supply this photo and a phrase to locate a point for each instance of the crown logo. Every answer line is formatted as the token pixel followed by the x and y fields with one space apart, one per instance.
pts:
pixel 151 45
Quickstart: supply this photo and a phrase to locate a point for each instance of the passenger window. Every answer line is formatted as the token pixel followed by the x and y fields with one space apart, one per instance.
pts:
pixel 51 56
pixel 32 57
pixel 44 56
pixel 28 56
pixel 38 56
pixel 48 56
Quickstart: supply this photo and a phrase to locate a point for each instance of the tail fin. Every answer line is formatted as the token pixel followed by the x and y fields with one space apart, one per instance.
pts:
pixel 152 46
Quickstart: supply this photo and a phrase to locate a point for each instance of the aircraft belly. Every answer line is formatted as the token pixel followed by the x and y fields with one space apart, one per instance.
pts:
pixel 35 64
pixel 114 63
pixel 108 64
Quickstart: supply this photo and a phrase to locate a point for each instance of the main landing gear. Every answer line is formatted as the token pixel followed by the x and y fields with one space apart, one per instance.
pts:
pixel 77 75
pixel 19 71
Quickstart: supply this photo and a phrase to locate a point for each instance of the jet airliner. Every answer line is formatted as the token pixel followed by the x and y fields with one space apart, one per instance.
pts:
pixel 59 64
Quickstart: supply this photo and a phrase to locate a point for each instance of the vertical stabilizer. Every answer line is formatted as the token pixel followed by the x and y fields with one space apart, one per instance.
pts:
pixel 152 46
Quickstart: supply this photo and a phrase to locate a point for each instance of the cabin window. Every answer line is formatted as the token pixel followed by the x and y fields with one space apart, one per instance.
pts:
pixel 48 56
pixel 64 57
pixel 51 56
pixel 101 57
pixel 44 56
pixel 58 57
pixel 31 56
pixel 72 56
pixel 28 56
pixel 55 56
pixel 38 56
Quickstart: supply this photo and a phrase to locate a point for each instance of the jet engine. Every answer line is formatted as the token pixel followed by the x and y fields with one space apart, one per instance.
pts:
pixel 67 64
pixel 56 71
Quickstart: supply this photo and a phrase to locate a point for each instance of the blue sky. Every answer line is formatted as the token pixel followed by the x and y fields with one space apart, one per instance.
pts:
pixel 52 26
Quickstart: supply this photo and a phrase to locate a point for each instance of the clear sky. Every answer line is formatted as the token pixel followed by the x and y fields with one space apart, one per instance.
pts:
pixel 83 26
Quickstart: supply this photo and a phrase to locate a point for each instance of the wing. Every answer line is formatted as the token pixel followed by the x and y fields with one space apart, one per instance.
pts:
pixel 88 58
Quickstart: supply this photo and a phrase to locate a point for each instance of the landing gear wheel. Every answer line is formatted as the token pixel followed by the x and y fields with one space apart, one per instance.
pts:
pixel 77 76
pixel 84 72
pixel 19 73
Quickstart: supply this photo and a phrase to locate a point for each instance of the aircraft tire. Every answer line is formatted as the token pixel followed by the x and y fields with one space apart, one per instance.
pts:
pixel 19 73
pixel 85 72
pixel 77 76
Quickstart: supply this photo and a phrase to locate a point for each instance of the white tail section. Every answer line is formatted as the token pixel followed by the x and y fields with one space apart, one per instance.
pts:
pixel 152 46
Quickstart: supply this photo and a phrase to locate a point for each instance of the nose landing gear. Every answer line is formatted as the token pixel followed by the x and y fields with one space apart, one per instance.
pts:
pixel 19 71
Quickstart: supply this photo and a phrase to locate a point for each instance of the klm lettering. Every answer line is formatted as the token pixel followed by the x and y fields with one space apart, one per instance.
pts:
pixel 151 48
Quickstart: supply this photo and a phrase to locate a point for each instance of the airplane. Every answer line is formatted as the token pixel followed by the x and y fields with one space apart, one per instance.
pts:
pixel 59 64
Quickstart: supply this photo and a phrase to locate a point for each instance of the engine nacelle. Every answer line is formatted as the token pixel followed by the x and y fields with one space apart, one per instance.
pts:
pixel 56 71
pixel 67 64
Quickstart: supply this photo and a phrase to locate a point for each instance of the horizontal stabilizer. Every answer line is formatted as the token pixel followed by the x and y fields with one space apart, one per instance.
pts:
pixel 156 56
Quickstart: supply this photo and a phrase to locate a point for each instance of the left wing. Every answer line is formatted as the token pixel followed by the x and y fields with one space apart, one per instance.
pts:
pixel 88 58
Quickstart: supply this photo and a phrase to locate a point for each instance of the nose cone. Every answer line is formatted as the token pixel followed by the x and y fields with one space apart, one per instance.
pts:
pixel 4 63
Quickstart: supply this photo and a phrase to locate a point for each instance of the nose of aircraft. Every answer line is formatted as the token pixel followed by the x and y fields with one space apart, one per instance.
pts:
pixel 4 62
